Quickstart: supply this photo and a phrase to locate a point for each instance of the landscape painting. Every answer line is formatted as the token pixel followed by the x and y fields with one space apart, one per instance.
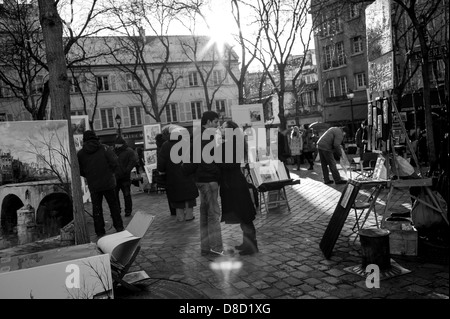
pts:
pixel 34 151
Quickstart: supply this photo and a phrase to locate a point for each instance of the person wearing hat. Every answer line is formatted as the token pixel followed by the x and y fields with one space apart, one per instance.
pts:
pixel 128 159
pixel 97 164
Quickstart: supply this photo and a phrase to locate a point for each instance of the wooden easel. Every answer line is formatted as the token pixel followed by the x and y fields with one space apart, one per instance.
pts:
pixel 425 183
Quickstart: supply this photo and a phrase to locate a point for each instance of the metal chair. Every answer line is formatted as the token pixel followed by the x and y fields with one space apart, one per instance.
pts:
pixel 364 208
pixel 366 165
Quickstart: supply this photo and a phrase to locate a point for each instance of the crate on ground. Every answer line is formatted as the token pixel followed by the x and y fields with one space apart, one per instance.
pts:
pixel 403 237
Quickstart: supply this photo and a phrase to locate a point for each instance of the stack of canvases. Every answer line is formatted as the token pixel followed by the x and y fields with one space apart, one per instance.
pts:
pixel 267 171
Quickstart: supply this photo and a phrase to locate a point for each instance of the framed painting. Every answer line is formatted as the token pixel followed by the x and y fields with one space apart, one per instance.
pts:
pixel 150 132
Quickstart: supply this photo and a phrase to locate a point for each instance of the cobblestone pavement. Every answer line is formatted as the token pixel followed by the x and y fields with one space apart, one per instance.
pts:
pixel 290 264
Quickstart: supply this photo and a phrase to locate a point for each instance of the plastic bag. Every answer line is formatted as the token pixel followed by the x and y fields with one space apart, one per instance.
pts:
pixel 424 216
pixel 403 167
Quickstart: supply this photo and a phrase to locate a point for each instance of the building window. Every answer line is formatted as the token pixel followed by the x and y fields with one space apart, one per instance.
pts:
pixel 331 88
pixel 135 115
pixel 357 44
pixel 340 54
pixel 171 113
pixel 196 109
pixel 76 113
pixel 354 10
pixel 360 80
pixel 343 84
pixel 193 79
pixel 102 83
pixel 220 108
pixel 74 85
pixel 107 118
pixel 217 77
pixel 328 56
pixel 2 117
pixel 38 85
pixel 132 83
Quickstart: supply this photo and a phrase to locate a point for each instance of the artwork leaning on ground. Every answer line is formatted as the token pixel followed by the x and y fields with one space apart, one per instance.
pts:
pixel 35 179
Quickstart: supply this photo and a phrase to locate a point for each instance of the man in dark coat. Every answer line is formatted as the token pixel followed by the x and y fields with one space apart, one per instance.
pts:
pixel 127 161
pixel 180 188
pixel 97 164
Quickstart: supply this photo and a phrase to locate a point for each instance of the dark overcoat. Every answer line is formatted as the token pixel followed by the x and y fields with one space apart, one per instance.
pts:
pixel 237 205
pixel 179 187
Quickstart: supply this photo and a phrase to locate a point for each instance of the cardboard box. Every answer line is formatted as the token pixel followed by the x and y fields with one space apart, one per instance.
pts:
pixel 403 242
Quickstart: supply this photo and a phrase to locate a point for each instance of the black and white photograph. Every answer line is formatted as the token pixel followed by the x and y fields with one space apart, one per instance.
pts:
pixel 341 109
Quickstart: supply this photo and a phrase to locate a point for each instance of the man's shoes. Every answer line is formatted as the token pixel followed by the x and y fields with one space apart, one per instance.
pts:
pixel 127 214
pixel 190 219
pixel 120 229
pixel 328 182
pixel 240 247
pixel 214 253
pixel 310 168
pixel 341 182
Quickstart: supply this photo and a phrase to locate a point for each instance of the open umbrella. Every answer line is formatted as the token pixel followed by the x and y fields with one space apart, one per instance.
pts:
pixel 319 126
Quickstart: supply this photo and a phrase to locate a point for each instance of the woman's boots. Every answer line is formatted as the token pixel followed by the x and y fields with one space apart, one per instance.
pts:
pixel 249 247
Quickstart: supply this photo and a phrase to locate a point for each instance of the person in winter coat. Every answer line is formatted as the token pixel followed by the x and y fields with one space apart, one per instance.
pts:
pixel 180 188
pixel 97 164
pixel 361 138
pixel 237 204
pixel 309 147
pixel 127 161
pixel 296 145
pixel 329 144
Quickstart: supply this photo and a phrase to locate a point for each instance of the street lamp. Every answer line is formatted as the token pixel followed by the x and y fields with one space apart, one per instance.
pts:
pixel 118 122
pixel 350 96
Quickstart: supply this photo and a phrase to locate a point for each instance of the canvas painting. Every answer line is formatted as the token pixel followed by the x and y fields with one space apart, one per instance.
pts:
pixel 150 132
pixel 35 151
pixel 80 124
pixel 149 171
pixel 150 157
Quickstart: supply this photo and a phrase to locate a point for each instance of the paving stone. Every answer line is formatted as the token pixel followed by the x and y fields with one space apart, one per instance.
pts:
pixel 318 294
pixel 336 272
pixel 326 287
pixel 312 281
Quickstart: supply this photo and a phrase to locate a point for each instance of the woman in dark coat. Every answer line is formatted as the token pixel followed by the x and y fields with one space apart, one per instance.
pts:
pixel 237 205
pixel 181 190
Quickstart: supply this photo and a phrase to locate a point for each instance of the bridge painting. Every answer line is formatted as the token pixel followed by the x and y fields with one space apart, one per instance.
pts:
pixel 51 207
pixel 35 176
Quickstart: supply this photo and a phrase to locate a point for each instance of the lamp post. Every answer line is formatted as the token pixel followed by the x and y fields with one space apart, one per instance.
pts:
pixel 118 122
pixel 350 96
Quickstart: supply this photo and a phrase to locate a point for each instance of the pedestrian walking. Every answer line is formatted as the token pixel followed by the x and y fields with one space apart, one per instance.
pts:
pixel 237 204
pixel 309 146
pixel 127 158
pixel 97 164
pixel 361 138
pixel 329 146
pixel 180 188
pixel 207 176
pixel 296 145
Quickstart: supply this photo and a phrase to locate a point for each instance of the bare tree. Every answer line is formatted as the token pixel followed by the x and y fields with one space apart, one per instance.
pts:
pixel 24 66
pixel 52 30
pixel 22 57
pixel 145 59
pixel 282 23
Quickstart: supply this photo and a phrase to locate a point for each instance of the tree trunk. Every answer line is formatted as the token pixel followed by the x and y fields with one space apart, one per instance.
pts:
pixel 60 102
pixel 427 98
